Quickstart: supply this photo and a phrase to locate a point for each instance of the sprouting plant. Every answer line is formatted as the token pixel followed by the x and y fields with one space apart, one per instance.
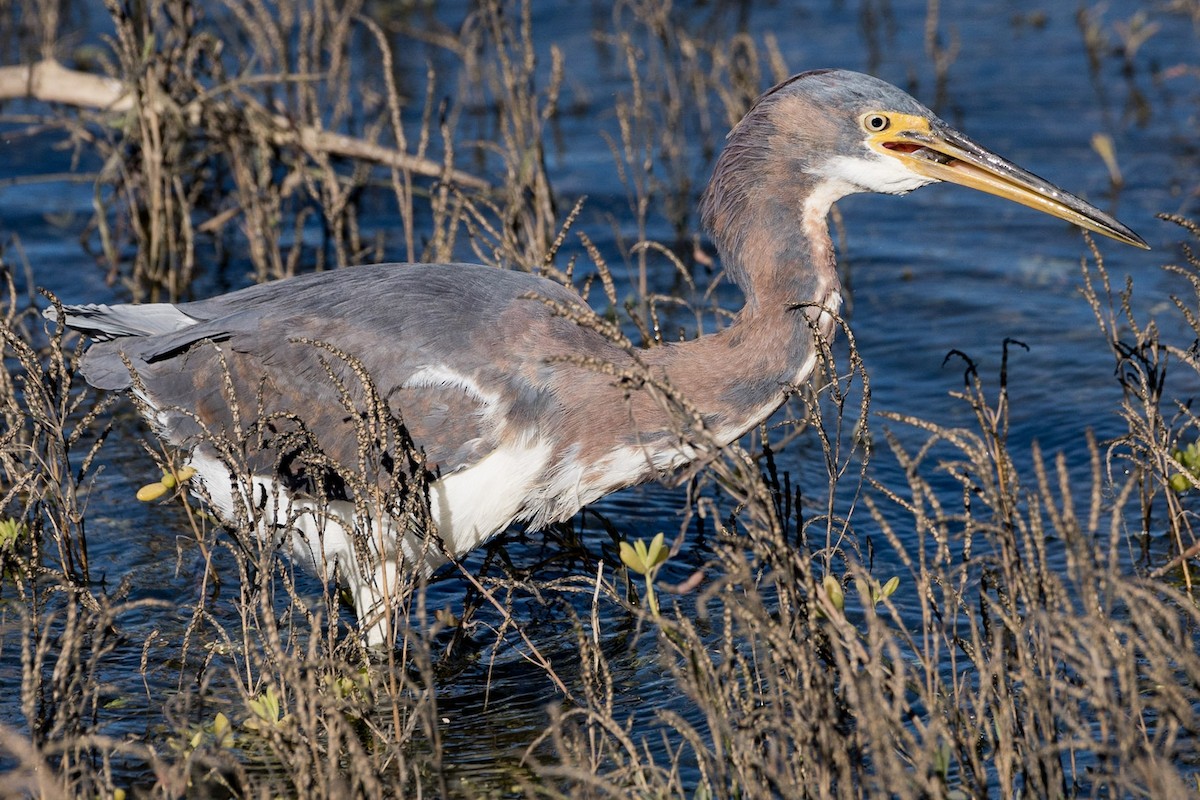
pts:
pixel 880 593
pixel 12 531
pixel 267 713
pixel 153 491
pixel 1189 459
pixel 870 590
pixel 646 560
pixel 356 685
pixel 833 589
pixel 218 733
pixel 219 730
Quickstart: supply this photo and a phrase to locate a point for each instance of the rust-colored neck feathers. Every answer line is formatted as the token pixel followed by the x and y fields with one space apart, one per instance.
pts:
pixel 765 209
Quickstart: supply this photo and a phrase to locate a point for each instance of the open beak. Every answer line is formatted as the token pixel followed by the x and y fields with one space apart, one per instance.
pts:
pixel 935 150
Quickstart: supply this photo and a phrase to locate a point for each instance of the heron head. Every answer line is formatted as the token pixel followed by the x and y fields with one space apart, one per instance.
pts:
pixel 860 134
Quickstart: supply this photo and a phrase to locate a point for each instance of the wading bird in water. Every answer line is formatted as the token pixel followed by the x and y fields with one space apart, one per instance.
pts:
pixel 495 384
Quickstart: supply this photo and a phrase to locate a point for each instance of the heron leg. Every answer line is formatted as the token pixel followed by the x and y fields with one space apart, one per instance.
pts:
pixel 377 598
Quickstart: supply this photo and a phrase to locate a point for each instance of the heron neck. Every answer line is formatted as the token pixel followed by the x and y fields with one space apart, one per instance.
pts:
pixel 774 241
pixel 785 264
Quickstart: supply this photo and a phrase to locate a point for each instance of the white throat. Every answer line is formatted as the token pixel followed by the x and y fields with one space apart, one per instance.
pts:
pixel 871 173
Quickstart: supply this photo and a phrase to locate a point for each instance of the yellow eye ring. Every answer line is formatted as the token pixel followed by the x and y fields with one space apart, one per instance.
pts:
pixel 875 123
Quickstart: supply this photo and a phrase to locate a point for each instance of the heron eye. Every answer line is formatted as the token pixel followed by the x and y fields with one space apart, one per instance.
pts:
pixel 875 123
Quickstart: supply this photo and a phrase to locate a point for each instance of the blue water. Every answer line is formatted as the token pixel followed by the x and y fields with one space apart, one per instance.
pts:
pixel 942 269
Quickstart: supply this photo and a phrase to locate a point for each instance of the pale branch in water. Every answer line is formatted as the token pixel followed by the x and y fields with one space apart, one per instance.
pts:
pixel 50 82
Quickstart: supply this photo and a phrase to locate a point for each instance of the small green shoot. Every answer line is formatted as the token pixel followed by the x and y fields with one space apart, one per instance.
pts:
pixel 218 733
pixel 153 491
pixel 13 534
pixel 355 686
pixel 1189 459
pixel 12 531
pixel 869 590
pixel 833 590
pixel 646 560
pixel 268 715
pixel 880 593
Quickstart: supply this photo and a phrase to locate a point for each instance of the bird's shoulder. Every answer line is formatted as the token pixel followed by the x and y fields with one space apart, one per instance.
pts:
pixel 382 290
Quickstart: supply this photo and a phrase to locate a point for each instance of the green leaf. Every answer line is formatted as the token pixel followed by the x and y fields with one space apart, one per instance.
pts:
pixel 222 730
pixel 833 590
pixel 11 531
pixel 658 552
pixel 632 559
pixel 644 559
pixel 266 710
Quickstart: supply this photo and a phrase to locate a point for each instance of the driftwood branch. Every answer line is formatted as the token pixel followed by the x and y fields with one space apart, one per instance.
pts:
pixel 50 82
pixel 338 144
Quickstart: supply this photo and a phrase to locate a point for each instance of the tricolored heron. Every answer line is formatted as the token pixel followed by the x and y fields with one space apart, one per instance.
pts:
pixel 495 385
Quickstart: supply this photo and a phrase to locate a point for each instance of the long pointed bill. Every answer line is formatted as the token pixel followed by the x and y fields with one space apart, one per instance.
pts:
pixel 937 151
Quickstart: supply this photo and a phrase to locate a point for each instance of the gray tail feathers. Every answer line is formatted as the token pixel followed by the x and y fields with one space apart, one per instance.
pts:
pixel 118 331
pixel 102 323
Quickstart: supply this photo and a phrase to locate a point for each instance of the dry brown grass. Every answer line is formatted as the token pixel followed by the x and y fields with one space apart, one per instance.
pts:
pixel 1021 654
